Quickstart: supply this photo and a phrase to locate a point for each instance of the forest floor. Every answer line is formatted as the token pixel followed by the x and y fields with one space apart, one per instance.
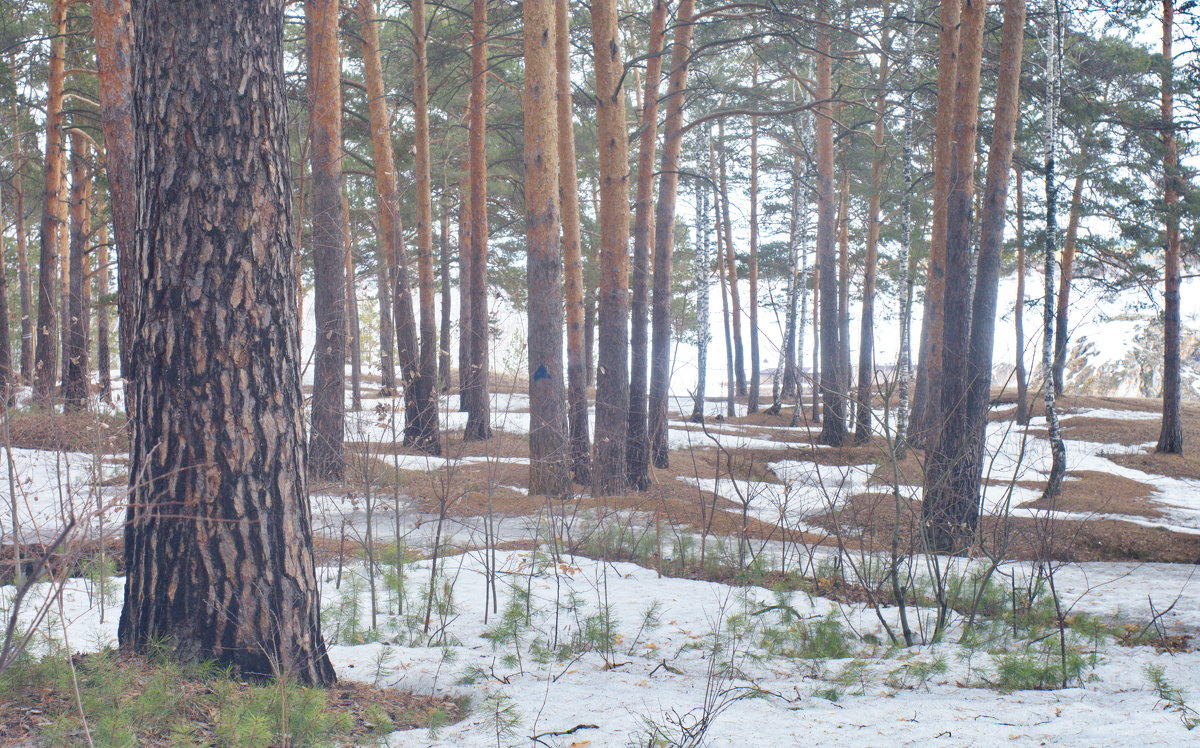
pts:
pixel 757 594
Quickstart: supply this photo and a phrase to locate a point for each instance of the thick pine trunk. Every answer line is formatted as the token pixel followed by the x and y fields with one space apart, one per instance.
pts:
pixel 568 190
pixel 832 382
pixel 549 459
pixel 1064 284
pixel 424 434
pixel 956 467
pixel 664 236
pixel 45 367
pixel 949 515
pixel 114 38
pixel 76 377
pixel 637 454
pixel 479 419
pixel 1170 438
pixel 327 455
pixel 926 398
pixel 218 543
pixel 612 368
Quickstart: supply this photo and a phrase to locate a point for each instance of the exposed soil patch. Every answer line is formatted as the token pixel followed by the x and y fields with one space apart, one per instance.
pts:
pixel 1091 492
pixel 1185 466
pixel 70 432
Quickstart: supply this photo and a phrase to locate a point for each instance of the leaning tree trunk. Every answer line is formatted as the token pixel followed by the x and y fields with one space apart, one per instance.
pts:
pixel 327 451
pixel 833 428
pixel 568 191
pixel 612 369
pixel 1064 285
pixel 218 540
pixel 76 377
pixel 549 459
pixel 949 513
pixel 114 38
pixel 1170 438
pixel 637 454
pixel 479 418
pixel 424 433
pixel 926 398
pixel 46 358
pixel 863 414
pixel 664 236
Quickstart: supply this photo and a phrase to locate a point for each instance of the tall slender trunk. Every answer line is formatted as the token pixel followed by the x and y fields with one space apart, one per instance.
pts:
pixel 1064 284
pixel 701 270
pixel 444 299
pixel 387 329
pixel 730 375
pixel 956 466
pixel 833 428
pixel 113 33
pixel 589 340
pixel 46 358
pixel 424 433
pixel 549 458
pixel 905 286
pixel 23 280
pixel 949 515
pixel 612 369
pixel 863 413
pixel 818 401
pixel 388 206
pixel 637 454
pixel 76 377
pixel 465 244
pixel 568 191
pixel 218 539
pixel 791 364
pixel 1019 308
pixel 479 419
pixel 327 452
pixel 103 357
pixel 1170 438
pixel 755 362
pixel 1058 452
pixel 927 398
pixel 735 301
pixel 843 298
pixel 353 330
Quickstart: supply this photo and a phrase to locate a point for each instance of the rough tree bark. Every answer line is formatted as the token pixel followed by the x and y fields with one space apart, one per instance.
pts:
pixel 549 458
pixel 46 357
pixel 424 433
pixel 568 191
pixel 637 454
pixel 218 542
pixel 1064 284
pixel 327 455
pixel 612 367
pixel 446 307
pixel 102 296
pixel 114 37
pixel 1170 438
pixel 664 235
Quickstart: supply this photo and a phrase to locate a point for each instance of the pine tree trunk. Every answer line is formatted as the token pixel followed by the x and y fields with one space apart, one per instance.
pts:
pixel 612 369
pixel 45 366
pixel 905 285
pixel 465 244
pixel 424 434
pixel 949 513
pixel 702 282
pixel 479 419
pixel 664 235
pixel 549 458
pixel 1019 309
pixel 218 542
pixel 735 301
pixel 843 223
pixel 23 279
pixel 955 465
pixel 387 330
pixel 927 398
pixel 76 377
pixel 863 413
pixel 327 458
pixel 114 38
pixel 103 357
pixel 637 454
pixel 445 300
pixel 1064 285
pixel 1170 438
pixel 568 190
pixel 589 339
pixel 353 330
pixel 833 428
pixel 755 358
